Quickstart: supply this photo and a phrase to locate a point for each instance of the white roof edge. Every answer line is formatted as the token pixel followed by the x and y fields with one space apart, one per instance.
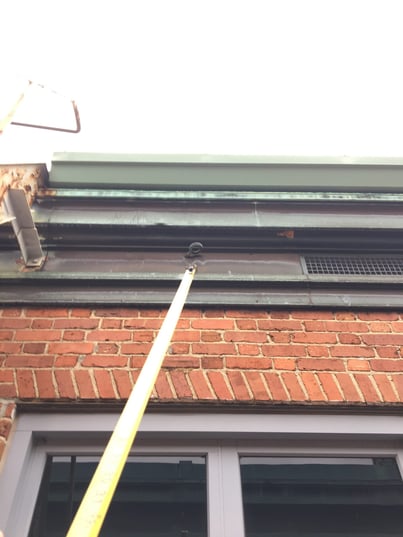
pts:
pixel 224 159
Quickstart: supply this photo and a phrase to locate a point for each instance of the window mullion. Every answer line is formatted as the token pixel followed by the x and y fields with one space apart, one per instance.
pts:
pixel 232 493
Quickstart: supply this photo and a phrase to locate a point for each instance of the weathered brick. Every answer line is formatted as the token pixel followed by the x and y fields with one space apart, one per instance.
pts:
pixel 179 348
pixel 109 335
pixel 6 375
pixel 11 312
pixel 25 384
pixel 320 364
pixel 70 348
pixel 345 326
pixel 283 350
pixel 140 323
pixel 383 339
pixel 247 349
pixel 104 360
pixel 186 335
pixel 14 323
pixel 65 384
pixel 380 326
pixel 9 410
pixel 7 335
pixel 117 312
pixel 144 335
pixel 211 362
pixel 317 351
pixel 200 385
pixel 385 387
pixel 280 337
pixel 287 364
pixel 377 316
pixel 180 384
pixel 76 324
pixel 210 336
pixel 388 352
pixel 387 365
pixel 213 324
pixel 312 314
pixel 280 325
pixel 349 339
pixel 345 316
pixel 44 382
pixel 190 313
pixel 104 384
pixel 10 347
pixel 137 362
pixel 182 362
pixel 248 314
pixel 163 387
pixel 8 390
pixel 367 388
pixel 217 349
pixel 330 387
pixel 123 382
pixel 238 386
pixel 245 336
pixel 114 324
pixel 135 348
pixel 66 361
pixel 41 324
pixel 314 337
pixel 312 386
pixel 256 385
pixel 279 314
pixel 219 385
pixel 318 326
pixel 34 348
pixel 51 313
pixel 80 312
pixel 27 360
pixel 73 335
pixel 152 313
pixel 348 387
pixel 107 348
pixel 358 364
pixel 246 324
pixel 242 362
pixel 5 427
pixel 276 387
pixel 84 384
pixel 352 351
pixel 293 386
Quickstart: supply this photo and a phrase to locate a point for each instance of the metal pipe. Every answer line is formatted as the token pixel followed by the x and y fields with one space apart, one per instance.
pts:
pixel 94 506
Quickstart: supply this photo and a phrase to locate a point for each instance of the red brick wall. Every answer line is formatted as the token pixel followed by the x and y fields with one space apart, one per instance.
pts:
pixel 248 356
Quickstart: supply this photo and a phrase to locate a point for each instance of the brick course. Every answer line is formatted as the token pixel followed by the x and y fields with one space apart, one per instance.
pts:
pixel 222 356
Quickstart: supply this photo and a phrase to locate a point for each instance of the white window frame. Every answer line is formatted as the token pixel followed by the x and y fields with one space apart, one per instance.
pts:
pixel 222 437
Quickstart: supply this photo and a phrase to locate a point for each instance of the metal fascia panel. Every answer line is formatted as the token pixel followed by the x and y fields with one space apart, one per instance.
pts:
pixel 129 171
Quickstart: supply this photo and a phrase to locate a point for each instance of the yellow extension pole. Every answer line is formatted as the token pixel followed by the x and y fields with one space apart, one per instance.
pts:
pixel 8 118
pixel 94 506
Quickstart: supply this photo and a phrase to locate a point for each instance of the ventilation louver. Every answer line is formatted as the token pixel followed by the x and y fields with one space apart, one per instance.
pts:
pixel 354 265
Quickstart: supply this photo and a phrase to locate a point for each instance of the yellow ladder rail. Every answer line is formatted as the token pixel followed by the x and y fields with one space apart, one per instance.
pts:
pixel 95 504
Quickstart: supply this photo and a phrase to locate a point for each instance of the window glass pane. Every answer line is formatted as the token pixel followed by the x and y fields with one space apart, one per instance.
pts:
pixel 326 497
pixel 156 497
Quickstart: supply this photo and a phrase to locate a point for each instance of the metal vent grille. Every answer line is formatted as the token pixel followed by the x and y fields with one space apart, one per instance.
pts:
pixel 354 265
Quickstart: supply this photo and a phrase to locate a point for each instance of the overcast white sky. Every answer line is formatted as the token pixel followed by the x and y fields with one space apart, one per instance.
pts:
pixel 263 77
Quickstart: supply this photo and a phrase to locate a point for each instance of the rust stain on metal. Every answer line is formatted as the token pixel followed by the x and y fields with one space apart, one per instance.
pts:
pixel 47 193
pixel 29 178
pixel 288 234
